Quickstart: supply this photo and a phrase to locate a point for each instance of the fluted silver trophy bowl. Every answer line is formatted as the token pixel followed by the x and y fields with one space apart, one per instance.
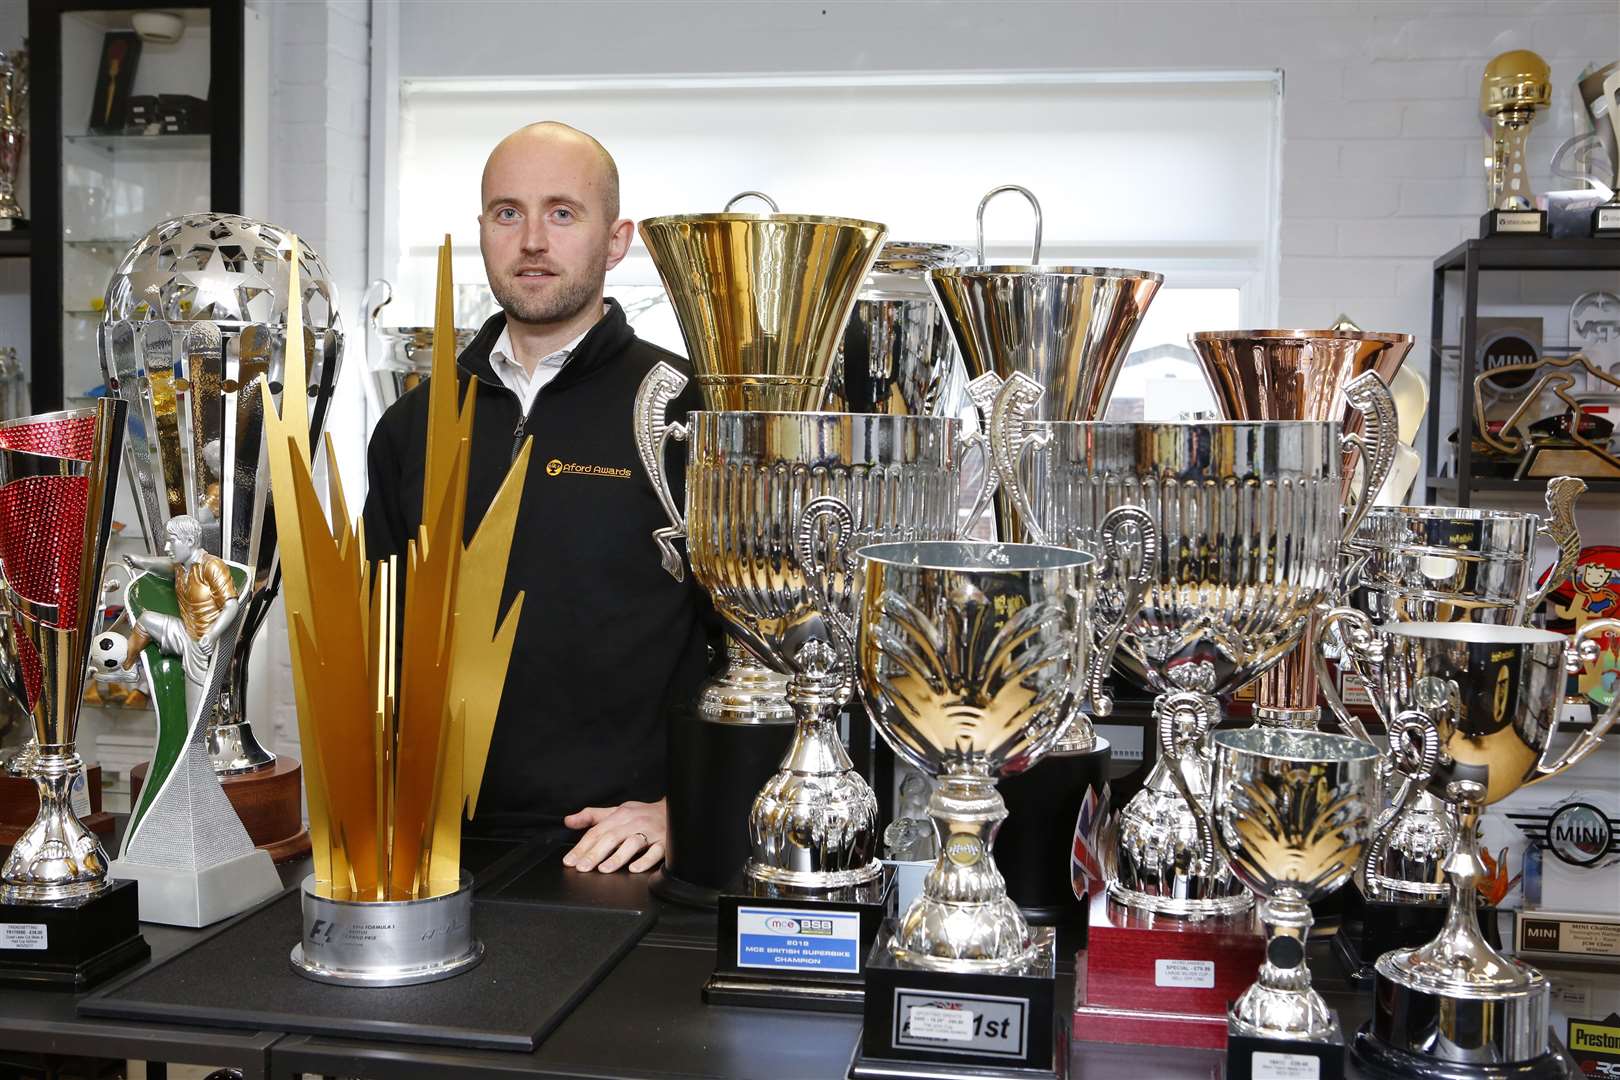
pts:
pixel 1489 697
pixel 195 313
pixel 1439 564
pixel 969 658
pixel 750 479
pixel 1248 523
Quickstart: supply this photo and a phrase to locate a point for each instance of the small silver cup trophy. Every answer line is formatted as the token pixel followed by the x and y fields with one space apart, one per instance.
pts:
pixel 970 658
pixel 1490 697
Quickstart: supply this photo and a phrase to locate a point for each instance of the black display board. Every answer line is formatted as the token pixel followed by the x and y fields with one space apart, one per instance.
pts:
pixel 540 961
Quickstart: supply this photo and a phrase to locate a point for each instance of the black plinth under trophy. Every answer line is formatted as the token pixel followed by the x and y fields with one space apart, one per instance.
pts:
pixel 785 948
pixel 1035 847
pixel 1513 223
pixel 71 944
pixel 715 771
pixel 1378 1060
pixel 1371 927
pixel 942 1025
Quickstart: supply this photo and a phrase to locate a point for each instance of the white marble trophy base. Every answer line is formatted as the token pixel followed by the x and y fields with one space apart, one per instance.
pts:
pixel 200 897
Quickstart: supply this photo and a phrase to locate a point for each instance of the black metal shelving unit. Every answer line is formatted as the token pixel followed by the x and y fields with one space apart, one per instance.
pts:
pixel 46 139
pixel 1471 258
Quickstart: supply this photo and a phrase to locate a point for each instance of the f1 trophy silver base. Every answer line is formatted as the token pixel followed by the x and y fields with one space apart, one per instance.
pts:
pixel 387 942
pixel 201 898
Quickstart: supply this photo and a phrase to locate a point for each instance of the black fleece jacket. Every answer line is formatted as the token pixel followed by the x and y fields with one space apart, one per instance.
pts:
pixel 607 642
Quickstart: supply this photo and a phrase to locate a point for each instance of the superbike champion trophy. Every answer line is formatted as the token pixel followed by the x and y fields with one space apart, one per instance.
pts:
pixel 1432 564
pixel 1290 813
pixel 1484 700
pixel 1250 530
pixel 13 134
pixel 195 313
pixel 972 659
pixel 1515 86
pixel 1308 375
pixel 1068 329
pixel 812 830
pixel 400 665
pixel 67 924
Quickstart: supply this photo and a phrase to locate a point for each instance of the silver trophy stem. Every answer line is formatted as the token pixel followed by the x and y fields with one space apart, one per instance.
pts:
pixel 815 822
pixel 1282 1003
pixel 58 858
pixel 232 746
pixel 747 692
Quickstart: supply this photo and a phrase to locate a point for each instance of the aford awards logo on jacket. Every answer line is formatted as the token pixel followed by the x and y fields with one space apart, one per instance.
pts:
pixel 559 467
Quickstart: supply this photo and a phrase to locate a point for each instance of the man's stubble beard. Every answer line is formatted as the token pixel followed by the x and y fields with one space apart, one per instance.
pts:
pixel 568 300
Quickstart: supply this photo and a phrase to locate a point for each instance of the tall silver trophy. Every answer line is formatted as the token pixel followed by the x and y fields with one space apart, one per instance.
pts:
pixel 1489 697
pixel 1250 527
pixel 195 313
pixel 13 134
pixel 1431 564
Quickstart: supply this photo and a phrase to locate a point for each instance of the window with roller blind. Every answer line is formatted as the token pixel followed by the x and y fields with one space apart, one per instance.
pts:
pixel 1176 173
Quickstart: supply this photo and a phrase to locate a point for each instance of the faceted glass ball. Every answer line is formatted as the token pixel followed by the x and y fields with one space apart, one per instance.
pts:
pixel 224 268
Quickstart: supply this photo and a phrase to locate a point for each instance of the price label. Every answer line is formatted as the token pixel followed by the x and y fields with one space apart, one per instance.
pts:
pixel 961 1023
pixel 79 793
pixel 1196 974
pixel 1269 1066
pixel 936 1022
pixel 24 936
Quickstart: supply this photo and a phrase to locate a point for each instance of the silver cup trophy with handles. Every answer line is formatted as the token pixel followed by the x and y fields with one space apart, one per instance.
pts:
pixel 1490 695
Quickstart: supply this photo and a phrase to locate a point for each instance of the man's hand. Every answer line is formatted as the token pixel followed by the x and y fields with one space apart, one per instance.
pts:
pixel 615 835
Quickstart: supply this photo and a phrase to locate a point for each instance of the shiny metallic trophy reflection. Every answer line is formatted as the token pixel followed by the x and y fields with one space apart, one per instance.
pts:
pixel 1067 329
pixel 1248 518
pixel 969 658
pixel 57 485
pixel 1515 86
pixel 13 134
pixel 762 300
pixel 195 313
pixel 1341 375
pixel 1290 813
pixel 1492 694
pixel 1439 564
pixel 407 351
pixel 750 478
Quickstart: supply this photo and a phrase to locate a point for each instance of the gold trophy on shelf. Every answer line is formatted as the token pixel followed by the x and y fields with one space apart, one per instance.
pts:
pixel 399 667
pixel 1516 85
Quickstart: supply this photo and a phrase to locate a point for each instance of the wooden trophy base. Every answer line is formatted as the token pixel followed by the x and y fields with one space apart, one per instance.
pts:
pixel 19 805
pixel 267 801
pixel 1157 980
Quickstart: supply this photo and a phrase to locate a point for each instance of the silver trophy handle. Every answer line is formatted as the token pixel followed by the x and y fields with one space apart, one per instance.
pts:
pixel 1582 651
pixel 1561 529
pixel 760 195
pixel 1414 752
pixel 1184 720
pixel 1379 435
pixel 1121 525
pixel 818 573
pixel 378 295
pixel 1011 436
pixel 652 433
pixel 1360 646
pixel 982 392
pixel 1034 203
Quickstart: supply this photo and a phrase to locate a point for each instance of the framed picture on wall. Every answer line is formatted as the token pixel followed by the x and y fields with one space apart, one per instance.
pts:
pixel 120 52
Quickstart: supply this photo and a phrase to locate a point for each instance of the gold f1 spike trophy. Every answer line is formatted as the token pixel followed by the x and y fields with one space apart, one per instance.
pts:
pixel 1516 84
pixel 399 667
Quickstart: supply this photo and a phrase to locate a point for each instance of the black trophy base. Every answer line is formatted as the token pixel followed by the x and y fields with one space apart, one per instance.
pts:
pixel 940 1025
pixel 1250 1057
pixel 74 944
pixel 1372 927
pixel 1377 1060
pixel 1513 223
pixel 784 948
pixel 676 890
pixel 1606 220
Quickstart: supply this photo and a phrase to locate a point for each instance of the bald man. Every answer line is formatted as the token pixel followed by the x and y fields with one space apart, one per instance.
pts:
pixel 607 641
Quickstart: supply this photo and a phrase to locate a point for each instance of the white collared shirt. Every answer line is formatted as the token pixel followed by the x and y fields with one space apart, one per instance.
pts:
pixel 517 379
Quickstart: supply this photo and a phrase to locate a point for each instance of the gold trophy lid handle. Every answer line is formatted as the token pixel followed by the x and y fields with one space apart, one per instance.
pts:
pixel 1034 203
pixel 760 195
